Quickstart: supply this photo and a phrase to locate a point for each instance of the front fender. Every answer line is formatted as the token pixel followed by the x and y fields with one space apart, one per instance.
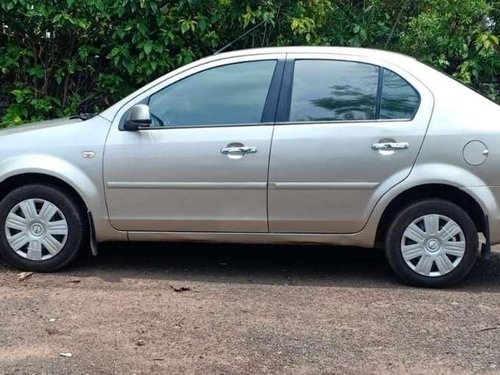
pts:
pixel 86 182
pixel 51 166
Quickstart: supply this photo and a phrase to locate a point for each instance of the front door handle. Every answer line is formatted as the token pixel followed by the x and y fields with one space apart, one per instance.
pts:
pixel 390 146
pixel 238 150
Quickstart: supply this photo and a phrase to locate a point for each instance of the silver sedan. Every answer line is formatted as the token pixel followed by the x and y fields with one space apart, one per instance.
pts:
pixel 321 145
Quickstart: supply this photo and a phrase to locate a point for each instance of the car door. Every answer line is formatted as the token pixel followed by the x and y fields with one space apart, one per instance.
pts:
pixel 202 165
pixel 348 130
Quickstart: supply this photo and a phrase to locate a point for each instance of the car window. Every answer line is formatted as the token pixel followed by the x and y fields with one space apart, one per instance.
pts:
pixel 331 90
pixel 229 94
pixel 399 99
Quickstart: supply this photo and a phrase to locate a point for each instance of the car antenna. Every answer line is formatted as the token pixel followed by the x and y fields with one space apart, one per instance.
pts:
pixel 238 38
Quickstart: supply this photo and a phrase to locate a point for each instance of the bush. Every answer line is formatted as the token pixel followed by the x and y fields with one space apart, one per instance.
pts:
pixel 63 57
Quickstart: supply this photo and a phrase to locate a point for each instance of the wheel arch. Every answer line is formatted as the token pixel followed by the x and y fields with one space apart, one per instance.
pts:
pixel 19 180
pixel 435 190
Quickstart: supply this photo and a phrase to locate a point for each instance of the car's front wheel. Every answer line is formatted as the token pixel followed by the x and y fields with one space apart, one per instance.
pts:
pixel 43 229
pixel 432 243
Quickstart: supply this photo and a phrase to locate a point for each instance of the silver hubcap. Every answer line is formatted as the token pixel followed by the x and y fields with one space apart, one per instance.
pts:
pixel 433 245
pixel 36 229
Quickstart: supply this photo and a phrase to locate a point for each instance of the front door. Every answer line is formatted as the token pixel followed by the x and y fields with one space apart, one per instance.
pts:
pixel 349 131
pixel 203 164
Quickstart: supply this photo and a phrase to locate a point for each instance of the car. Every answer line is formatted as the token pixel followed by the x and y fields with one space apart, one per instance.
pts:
pixel 323 145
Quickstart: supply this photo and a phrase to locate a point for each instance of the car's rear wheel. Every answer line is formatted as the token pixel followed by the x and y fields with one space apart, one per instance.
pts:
pixel 43 229
pixel 432 243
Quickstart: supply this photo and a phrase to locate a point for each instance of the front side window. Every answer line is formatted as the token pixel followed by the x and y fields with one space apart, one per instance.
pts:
pixel 229 94
pixel 330 90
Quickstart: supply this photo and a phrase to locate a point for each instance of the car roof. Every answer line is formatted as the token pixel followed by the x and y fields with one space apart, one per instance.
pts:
pixel 348 51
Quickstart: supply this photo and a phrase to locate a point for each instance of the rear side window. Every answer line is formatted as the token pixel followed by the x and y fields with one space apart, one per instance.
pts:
pixel 229 94
pixel 399 100
pixel 333 90
pixel 328 90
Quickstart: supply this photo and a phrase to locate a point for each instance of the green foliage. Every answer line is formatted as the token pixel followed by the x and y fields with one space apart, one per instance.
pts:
pixel 62 57
pixel 458 37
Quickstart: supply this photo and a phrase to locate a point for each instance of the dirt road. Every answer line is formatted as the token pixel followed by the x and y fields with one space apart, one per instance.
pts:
pixel 246 309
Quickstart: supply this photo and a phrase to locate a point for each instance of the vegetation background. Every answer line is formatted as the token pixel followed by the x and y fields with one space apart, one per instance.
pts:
pixel 61 57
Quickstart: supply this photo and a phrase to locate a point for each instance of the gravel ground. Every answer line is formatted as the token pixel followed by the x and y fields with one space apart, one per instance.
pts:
pixel 232 309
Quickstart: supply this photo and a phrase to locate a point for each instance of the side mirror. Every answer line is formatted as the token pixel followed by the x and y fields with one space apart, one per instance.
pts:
pixel 138 116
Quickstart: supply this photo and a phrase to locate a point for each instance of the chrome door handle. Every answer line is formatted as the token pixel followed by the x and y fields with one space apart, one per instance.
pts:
pixel 238 150
pixel 389 146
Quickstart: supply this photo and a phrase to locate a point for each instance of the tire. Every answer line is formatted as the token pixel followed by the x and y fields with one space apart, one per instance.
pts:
pixel 48 221
pixel 441 253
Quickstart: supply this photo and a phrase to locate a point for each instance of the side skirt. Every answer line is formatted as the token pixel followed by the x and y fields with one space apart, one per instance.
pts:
pixel 254 238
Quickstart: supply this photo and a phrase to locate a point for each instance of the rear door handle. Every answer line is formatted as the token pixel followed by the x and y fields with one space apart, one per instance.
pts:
pixel 238 150
pixel 390 146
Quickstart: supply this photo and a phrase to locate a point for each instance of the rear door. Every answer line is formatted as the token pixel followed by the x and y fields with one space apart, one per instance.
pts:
pixel 347 131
